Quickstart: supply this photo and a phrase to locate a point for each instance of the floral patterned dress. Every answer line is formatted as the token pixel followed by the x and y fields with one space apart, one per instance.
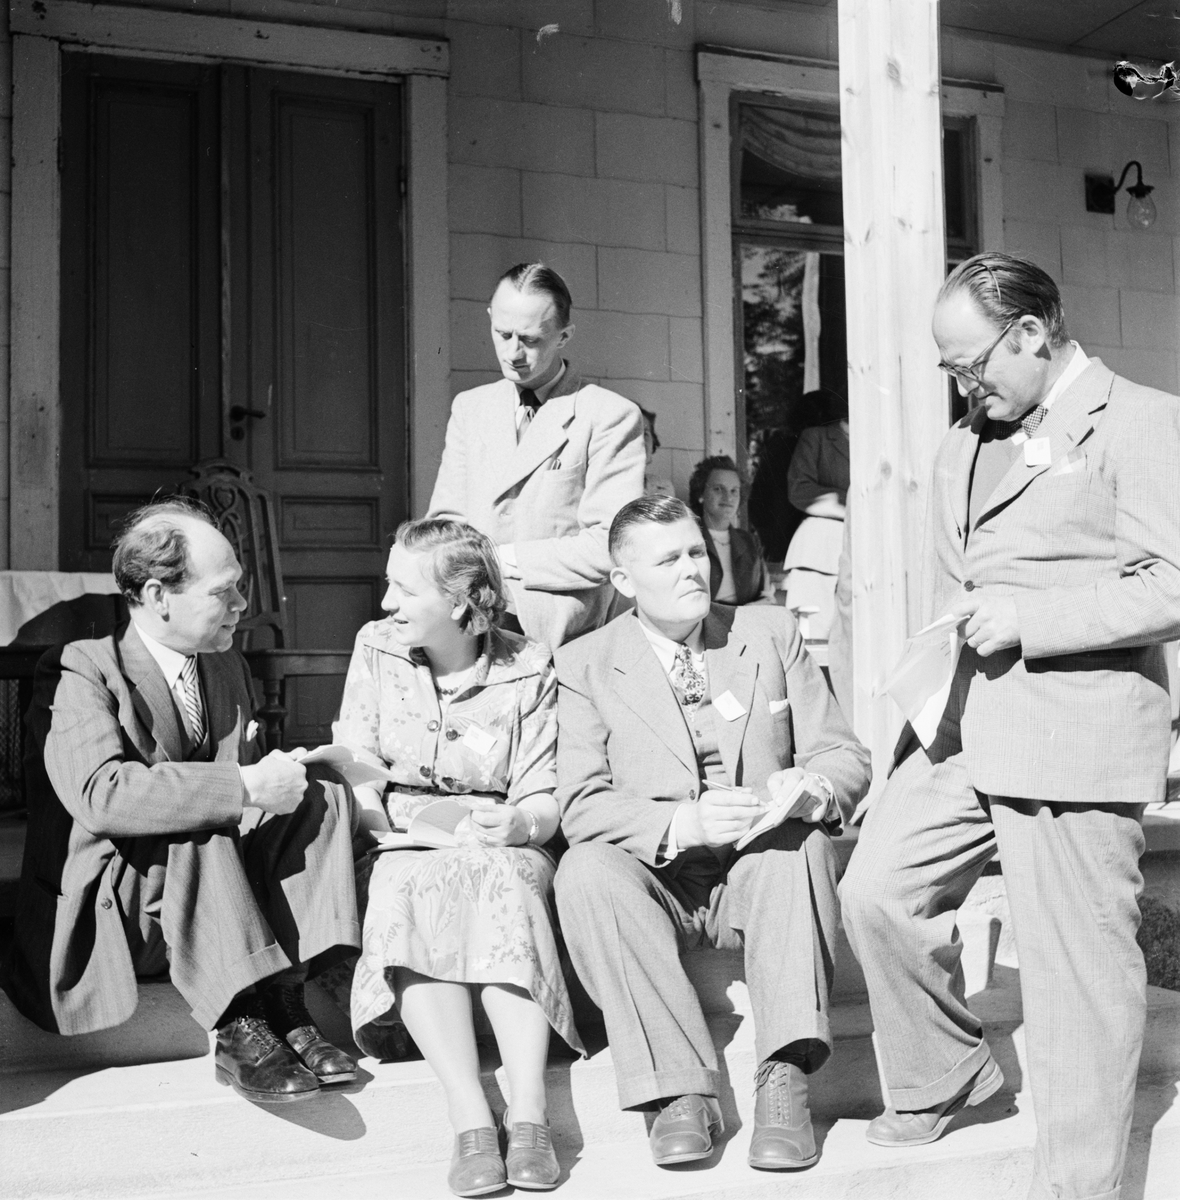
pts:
pixel 471 914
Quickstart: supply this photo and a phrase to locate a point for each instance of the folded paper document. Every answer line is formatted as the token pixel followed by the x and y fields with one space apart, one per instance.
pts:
pixel 432 827
pixel 355 772
pixel 921 681
pixel 776 814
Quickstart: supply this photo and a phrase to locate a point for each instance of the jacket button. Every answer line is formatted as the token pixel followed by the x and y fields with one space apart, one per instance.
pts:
pixel 452 734
pixel 433 726
pixel 692 793
pixel 424 771
pixel 105 903
pixel 969 586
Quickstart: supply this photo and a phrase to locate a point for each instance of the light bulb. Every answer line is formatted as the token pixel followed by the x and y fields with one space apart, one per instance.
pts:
pixel 1141 212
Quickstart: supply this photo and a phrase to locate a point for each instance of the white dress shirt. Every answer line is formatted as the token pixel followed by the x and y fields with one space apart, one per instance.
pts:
pixel 1077 364
pixel 171 663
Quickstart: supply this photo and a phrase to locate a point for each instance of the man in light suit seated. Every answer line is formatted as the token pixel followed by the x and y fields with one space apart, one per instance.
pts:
pixel 540 461
pixel 679 723
pixel 160 837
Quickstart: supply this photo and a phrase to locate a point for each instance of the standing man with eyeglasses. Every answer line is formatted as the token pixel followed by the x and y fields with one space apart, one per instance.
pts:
pixel 1054 532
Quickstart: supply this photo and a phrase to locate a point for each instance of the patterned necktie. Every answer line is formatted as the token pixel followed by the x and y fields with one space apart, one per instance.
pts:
pixel 686 679
pixel 530 404
pixel 192 699
pixel 1030 423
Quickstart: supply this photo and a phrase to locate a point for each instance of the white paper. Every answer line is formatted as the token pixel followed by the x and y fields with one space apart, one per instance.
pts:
pixel 729 706
pixel 920 683
pixel 432 827
pixel 1036 452
pixel 777 813
pixel 354 772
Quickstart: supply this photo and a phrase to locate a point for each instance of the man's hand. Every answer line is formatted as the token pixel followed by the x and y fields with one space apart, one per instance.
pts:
pixel 718 818
pixel 275 783
pixel 808 806
pixel 994 623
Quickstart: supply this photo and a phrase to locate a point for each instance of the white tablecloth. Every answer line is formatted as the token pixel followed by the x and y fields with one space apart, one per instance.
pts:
pixel 26 594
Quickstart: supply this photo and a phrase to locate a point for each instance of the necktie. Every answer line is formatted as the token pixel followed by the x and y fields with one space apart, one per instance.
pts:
pixel 686 679
pixel 192 698
pixel 530 404
pixel 1030 423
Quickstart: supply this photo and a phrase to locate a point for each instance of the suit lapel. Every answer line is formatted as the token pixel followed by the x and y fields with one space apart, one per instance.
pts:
pixel 731 669
pixel 1067 424
pixel 640 682
pixel 150 696
pixel 547 433
pixel 223 704
pixel 959 481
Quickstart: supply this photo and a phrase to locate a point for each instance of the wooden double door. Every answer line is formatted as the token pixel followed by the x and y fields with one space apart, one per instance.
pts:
pixel 232 286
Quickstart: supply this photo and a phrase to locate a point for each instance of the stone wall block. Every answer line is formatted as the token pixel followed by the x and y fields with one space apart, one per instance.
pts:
pixel 1039 78
pixel 503 133
pixel 687 353
pixel 1037 240
pixel 483 200
pixel 684 219
pixel 1030 131
pixel 1085 139
pixel 471 343
pixel 679 409
pixel 1150 321
pixel 1083 256
pixel 485 61
pixel 1092 314
pixel 613 346
pixel 1152 368
pixel 1140 261
pixel 478 260
pixel 462 381
pixel 571 16
pixel 1045 192
pixel 595 74
pixel 768 28
pixel 603 212
pixel 656 22
pixel 650 148
pixel 649 281
pixel 965 57
pixel 680 85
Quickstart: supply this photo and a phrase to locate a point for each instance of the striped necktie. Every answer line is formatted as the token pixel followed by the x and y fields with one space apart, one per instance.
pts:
pixel 192 699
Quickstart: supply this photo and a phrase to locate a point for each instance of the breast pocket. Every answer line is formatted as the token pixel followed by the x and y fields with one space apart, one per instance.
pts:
pixel 556 493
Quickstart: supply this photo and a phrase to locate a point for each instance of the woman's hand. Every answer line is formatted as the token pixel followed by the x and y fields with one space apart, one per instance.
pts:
pixel 498 825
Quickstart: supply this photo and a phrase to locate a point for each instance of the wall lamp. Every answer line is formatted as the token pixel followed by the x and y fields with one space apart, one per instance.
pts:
pixel 1102 189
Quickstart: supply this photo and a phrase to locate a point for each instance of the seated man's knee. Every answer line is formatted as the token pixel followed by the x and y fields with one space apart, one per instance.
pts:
pixel 865 895
pixel 588 871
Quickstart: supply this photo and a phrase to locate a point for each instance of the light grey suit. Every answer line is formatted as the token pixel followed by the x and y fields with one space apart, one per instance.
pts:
pixel 1046 755
pixel 552 497
pixel 625 759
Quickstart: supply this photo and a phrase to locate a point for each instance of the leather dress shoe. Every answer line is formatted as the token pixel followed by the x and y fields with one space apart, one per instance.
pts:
pixel 386 1043
pixel 684 1129
pixel 530 1160
pixel 476 1165
pixel 251 1059
pixel 893 1128
pixel 783 1139
pixel 286 1012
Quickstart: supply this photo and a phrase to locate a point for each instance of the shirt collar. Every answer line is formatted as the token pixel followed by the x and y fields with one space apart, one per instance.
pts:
pixel 546 390
pixel 666 649
pixel 171 662
pixel 1076 365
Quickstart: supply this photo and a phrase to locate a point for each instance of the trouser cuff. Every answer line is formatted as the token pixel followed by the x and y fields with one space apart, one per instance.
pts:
pixel 642 1089
pixel 1040 1190
pixel 947 1087
pixel 215 998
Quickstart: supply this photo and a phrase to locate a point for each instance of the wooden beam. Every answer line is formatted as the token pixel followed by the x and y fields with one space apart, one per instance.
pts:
pixel 894 262
pixel 35 416
pixel 213 39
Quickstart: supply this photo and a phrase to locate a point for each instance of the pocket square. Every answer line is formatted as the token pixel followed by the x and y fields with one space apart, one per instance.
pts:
pixel 251 731
pixel 1072 462
pixel 777 706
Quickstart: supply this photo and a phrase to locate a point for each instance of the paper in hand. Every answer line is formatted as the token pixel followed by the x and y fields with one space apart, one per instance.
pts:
pixel 354 772
pixel 920 683
pixel 777 813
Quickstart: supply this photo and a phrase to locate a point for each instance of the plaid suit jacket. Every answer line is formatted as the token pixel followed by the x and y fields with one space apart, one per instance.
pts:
pixel 625 756
pixel 1089 545
pixel 106 763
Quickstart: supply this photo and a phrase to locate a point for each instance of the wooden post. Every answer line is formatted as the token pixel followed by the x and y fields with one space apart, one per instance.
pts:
pixel 894 262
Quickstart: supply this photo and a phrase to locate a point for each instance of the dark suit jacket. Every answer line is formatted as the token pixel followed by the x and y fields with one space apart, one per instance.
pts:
pixel 106 762
pixel 624 753
pixel 746 554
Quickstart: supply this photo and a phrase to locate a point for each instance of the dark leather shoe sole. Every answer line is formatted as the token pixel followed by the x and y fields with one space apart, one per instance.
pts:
pixel 225 1078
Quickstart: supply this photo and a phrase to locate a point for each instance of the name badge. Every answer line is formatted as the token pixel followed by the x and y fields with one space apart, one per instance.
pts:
pixel 479 741
pixel 1036 452
pixel 729 706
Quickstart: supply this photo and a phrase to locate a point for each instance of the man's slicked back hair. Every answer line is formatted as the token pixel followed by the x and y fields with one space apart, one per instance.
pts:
pixel 647 510
pixel 1006 288
pixel 536 279
pixel 153 544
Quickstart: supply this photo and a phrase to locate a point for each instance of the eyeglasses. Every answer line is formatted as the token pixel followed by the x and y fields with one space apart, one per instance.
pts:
pixel 972 373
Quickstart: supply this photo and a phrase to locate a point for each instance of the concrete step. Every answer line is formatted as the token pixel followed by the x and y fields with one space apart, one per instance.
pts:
pixel 159 1127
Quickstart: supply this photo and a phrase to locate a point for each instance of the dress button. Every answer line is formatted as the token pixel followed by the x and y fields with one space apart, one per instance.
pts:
pixel 452 734
pixel 433 726
pixel 105 903
pixel 969 586
pixel 447 781
pixel 424 771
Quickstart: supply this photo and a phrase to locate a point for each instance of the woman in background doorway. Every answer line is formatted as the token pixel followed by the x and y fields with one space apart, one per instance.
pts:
pixel 737 574
pixel 653 484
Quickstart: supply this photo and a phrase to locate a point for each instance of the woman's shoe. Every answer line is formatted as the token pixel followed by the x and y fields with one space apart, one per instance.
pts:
pixel 476 1165
pixel 530 1160
pixel 386 1043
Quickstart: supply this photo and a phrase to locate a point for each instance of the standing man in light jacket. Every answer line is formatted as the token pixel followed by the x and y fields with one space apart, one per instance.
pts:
pixel 541 461
pixel 1054 533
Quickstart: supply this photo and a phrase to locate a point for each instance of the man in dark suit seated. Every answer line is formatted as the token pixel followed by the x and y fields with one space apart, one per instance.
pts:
pixel 160 837
pixel 664 714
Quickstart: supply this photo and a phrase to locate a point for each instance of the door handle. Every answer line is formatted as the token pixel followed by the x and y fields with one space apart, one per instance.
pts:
pixel 239 413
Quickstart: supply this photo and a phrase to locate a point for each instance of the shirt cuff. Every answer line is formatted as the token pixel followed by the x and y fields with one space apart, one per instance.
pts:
pixel 671 845
pixel 831 809
pixel 508 556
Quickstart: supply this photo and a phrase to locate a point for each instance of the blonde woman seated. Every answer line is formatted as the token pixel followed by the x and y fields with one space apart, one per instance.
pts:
pixel 455 707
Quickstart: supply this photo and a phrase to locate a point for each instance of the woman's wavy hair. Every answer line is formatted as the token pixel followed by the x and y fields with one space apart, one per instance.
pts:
pixel 699 480
pixel 463 564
